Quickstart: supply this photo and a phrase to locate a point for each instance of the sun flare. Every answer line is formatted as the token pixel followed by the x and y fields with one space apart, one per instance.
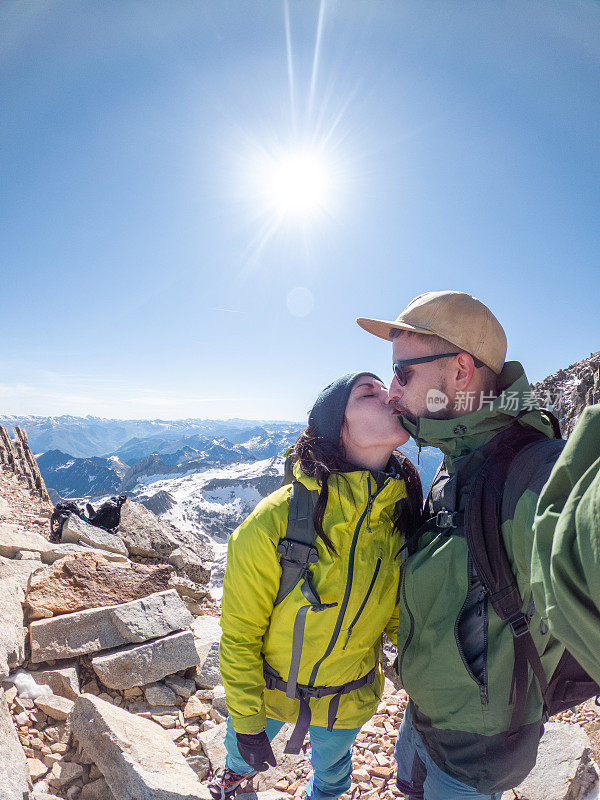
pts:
pixel 298 183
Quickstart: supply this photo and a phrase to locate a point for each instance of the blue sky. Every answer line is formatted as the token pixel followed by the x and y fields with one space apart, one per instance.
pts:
pixel 142 272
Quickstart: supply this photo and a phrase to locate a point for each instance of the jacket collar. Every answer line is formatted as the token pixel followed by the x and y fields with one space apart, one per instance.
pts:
pixel 357 485
pixel 460 436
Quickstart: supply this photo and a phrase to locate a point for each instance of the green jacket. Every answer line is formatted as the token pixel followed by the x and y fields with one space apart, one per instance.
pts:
pixel 362 580
pixel 565 569
pixel 461 702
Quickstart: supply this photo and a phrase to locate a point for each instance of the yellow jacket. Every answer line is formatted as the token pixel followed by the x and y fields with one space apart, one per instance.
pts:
pixel 362 579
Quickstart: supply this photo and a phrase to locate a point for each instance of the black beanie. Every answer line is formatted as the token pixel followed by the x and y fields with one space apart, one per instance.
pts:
pixel 327 415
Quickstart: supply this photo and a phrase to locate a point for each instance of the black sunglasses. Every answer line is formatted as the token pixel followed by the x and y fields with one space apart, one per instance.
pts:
pixel 400 374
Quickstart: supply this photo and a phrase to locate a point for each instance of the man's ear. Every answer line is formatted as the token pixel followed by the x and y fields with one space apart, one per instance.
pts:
pixel 465 367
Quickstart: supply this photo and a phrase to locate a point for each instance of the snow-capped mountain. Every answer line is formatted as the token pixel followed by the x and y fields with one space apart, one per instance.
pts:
pixel 77 477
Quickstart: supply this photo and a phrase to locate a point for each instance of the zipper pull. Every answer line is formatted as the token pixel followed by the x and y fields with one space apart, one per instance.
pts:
pixel 347 637
pixel 369 508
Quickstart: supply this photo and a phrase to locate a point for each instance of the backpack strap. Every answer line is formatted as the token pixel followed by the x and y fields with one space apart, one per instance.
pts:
pixel 483 518
pixel 297 548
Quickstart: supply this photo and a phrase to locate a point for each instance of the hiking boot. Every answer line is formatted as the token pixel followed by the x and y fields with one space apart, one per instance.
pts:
pixel 225 782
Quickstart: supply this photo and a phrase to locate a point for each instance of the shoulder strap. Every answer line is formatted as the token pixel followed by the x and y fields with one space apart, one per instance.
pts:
pixel 297 548
pixel 486 548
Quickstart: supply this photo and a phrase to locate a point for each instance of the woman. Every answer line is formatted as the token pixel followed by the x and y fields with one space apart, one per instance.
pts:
pixel 306 649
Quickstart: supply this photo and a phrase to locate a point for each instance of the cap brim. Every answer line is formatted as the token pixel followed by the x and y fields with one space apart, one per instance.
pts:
pixel 384 328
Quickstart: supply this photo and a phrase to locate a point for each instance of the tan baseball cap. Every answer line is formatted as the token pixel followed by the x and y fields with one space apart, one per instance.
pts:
pixel 455 316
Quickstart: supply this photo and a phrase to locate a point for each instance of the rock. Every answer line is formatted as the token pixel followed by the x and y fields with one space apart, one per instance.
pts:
pixel 195 707
pixel 219 703
pixel 188 588
pixel 146 535
pixel 12 634
pixel 138 760
pixel 27 555
pixel 208 673
pixel 14 538
pixel 61 550
pixel 96 790
pixel 15 783
pixel 189 565
pixel 110 626
pixel 157 694
pixel 63 680
pixel 63 773
pixel 37 768
pixel 90 580
pixel 55 706
pixel 564 768
pixel 140 664
pixel 184 687
pixel 269 794
pixel 213 744
pixel 200 765
pixel 78 531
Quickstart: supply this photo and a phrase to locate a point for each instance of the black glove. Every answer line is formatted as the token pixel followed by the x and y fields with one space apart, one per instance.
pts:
pixel 255 749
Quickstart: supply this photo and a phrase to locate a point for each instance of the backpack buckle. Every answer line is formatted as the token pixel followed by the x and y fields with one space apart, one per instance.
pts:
pixel 519 625
pixel 298 552
pixel 446 519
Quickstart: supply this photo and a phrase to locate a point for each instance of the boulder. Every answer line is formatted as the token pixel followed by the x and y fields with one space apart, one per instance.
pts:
pixel 213 744
pixel 62 550
pixel 157 694
pixel 14 538
pixel 12 633
pixel 200 765
pixel 140 664
pixel 15 783
pixel 269 794
pixel 188 564
pixel 187 588
pixel 62 679
pixel 110 626
pixel 144 534
pixel 184 687
pixel 55 706
pixel 564 769
pixel 89 580
pixel 96 790
pixel 137 759
pixel 78 531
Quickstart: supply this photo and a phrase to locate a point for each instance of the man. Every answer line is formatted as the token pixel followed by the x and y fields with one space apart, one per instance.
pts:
pixel 461 736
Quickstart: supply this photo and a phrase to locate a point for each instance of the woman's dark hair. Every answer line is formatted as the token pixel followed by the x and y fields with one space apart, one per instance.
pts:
pixel 320 458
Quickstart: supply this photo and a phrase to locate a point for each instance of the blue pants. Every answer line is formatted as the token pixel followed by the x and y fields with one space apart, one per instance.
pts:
pixel 420 778
pixel 330 756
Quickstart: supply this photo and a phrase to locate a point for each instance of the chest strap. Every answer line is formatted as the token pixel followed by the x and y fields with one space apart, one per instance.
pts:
pixel 304 694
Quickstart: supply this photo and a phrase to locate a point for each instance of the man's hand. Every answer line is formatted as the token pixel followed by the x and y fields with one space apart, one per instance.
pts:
pixel 256 750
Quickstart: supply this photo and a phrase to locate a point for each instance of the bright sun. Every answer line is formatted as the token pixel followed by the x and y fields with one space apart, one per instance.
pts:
pixel 298 183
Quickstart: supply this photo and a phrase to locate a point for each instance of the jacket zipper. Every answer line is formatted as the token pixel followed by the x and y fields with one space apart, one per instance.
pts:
pixel 412 624
pixel 483 687
pixel 344 605
pixel 364 602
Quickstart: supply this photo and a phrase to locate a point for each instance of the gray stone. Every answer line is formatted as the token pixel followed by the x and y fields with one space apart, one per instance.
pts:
pixel 15 783
pixel 140 664
pixel 110 626
pixel 208 673
pixel 138 760
pixel 184 687
pixel 96 790
pixel 144 534
pixel 564 768
pixel 62 679
pixel 200 765
pixel 55 706
pixel 14 538
pixel 188 588
pixel 219 699
pixel 157 694
pixel 269 794
pixel 78 531
pixel 207 632
pixel 213 744
pixel 62 550
pixel 188 564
